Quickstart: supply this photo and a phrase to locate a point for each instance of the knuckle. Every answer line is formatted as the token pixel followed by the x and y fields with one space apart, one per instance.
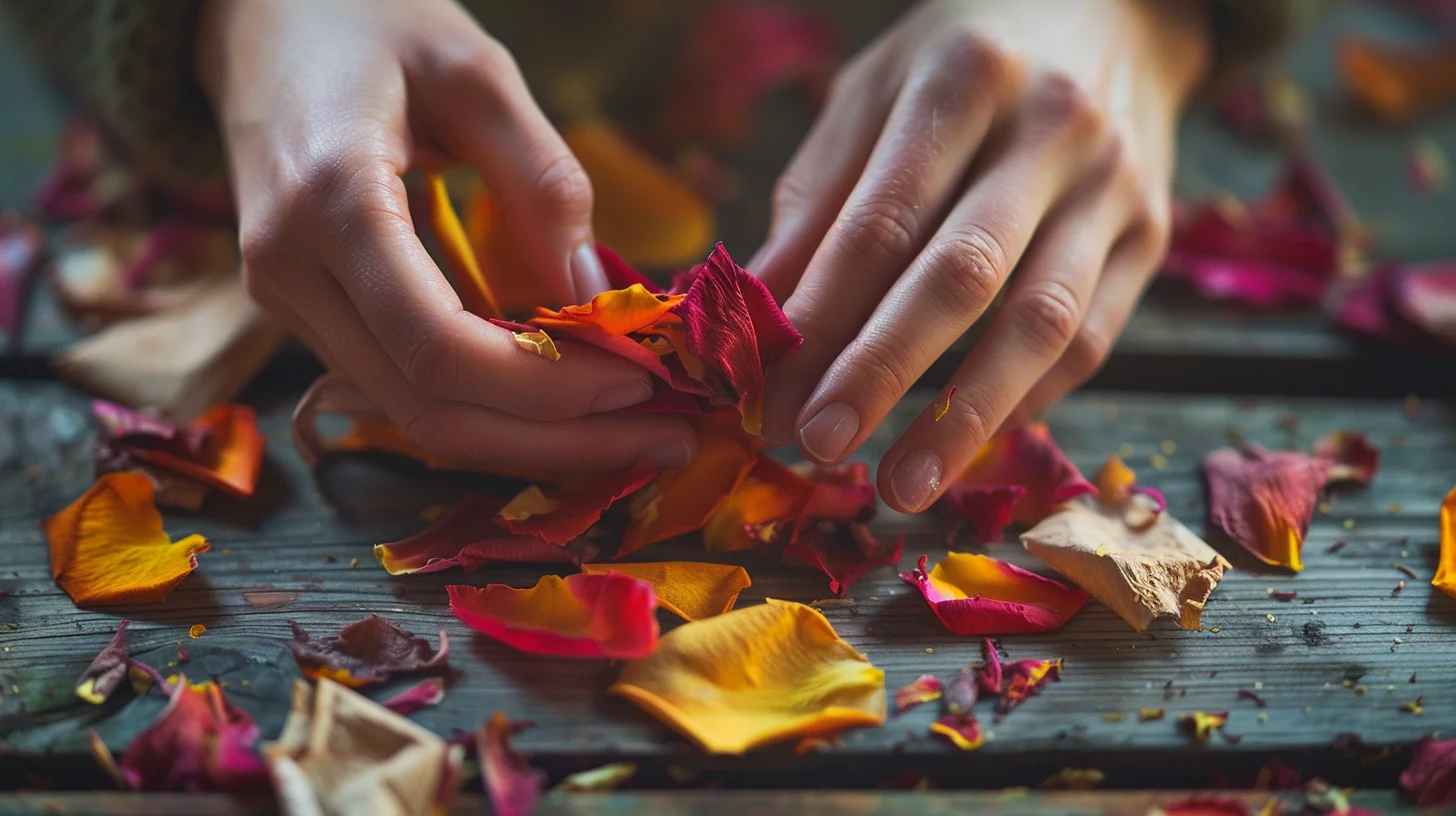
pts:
pixel 470 63
pixel 885 369
pixel 967 269
pixel 563 189
pixel 970 419
pixel 1065 107
pixel 1087 352
pixel 884 225
pixel 970 54
pixel 432 365
pixel 1155 227
pixel 1048 316
pixel 791 192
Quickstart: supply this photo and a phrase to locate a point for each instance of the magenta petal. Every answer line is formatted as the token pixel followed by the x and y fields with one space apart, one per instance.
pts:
pixel 512 784
pixel 844 553
pixel 417 697
pixel 987 507
pixel 610 615
pixel 469 535
pixel 200 742
pixel 1036 604
pixel 1431 777
pixel 582 506
pixel 107 671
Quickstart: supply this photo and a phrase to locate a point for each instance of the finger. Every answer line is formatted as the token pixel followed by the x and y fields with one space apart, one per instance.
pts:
pixel 941 115
pixel 478 107
pixel 481 434
pixel 1043 310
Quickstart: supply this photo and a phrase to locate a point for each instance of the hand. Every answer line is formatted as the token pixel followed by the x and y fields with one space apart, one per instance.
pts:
pixel 323 105
pixel 974 138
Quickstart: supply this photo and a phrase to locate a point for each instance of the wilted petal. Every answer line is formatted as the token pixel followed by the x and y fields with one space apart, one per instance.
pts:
pixel 231 454
pixel 20 248
pixel 124 426
pixel 963 731
pixel 1024 679
pixel 569 509
pixel 200 742
pixel 512 784
pixel 990 678
pixel 755 676
pixel 605 615
pixel 925 689
pixel 1431 777
pixel 1445 579
pixel 108 547
pixel 692 590
pixel 978 595
pixel 1351 456
pixel 468 535
pixel 1264 499
pixel 105 672
pixel 1021 473
pixel 844 552
pixel 682 500
pixel 417 697
pixel 365 652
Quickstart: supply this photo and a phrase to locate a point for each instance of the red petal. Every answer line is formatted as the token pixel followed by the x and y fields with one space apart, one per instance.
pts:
pixel 925 689
pixel 990 677
pixel 200 742
pixel 988 508
pixel 978 595
pixel 604 615
pixel 844 552
pixel 1264 500
pixel 1023 468
pixel 1351 456
pixel 471 534
pixel 1426 296
pixel 1024 679
pixel 513 785
pixel 417 697
pixel 1431 777
pixel 962 730
pixel 582 500
pixel 1205 806
pixel 367 651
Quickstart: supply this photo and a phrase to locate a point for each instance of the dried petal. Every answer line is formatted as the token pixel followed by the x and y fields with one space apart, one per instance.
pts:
pixel 963 731
pixel 1445 578
pixel 468 535
pixel 539 343
pixel 692 590
pixel 108 547
pixel 20 249
pixel 1425 295
pixel 513 785
pixel 230 457
pixel 122 426
pixel 682 500
pixel 1431 777
pixel 755 676
pixel 1398 83
pixel 990 676
pixel 574 504
pixel 1019 475
pixel 105 672
pixel 843 552
pixel 367 651
pixel 963 692
pixel 1351 456
pixel 762 509
pixel 978 595
pixel 1264 500
pixel 606 615
pixel 1202 724
pixel 925 689
pixel 418 697
pixel 200 742
pixel 1024 679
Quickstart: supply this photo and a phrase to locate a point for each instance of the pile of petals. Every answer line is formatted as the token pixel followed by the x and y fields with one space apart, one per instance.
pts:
pixel 1010 683
pixel 1128 552
pixel 1412 306
pixel 602 615
pixel 365 652
pixel 108 547
pixel 755 676
pixel 1018 476
pixel 978 595
pixel 1285 250
pixel 222 450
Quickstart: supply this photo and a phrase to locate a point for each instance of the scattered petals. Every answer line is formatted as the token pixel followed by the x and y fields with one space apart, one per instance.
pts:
pixel 1202 724
pixel 1351 456
pixel 978 595
pixel 1445 579
pixel 200 742
pixel 1397 83
pixel 755 676
pixel 692 590
pixel 513 785
pixel 105 672
pixel 925 689
pixel 108 547
pixel 574 505
pixel 1410 306
pixel 368 651
pixel 605 615
pixel 1431 777
pixel 469 535
pixel 1264 499
pixel 963 731
pixel 1021 476
pixel 1024 679
pixel 417 697
pixel 342 753
pixel 20 250
pixel 608 777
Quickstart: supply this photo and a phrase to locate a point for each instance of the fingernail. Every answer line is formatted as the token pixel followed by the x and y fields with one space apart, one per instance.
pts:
pixel 621 396
pixel 674 453
pixel 830 431
pixel 587 273
pixel 916 479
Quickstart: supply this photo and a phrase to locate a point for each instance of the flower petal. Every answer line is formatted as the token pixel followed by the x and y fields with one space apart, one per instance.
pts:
pixel 692 590
pixel 963 731
pixel 121 425
pixel 843 552
pixel 1425 295
pixel 1431 777
pixel 1202 724
pixel 925 689
pixel 105 672
pixel 470 280
pixel 754 676
pixel 513 785
pixel 680 501
pixel 1024 679
pixel 577 503
pixel 468 535
pixel 606 615
pixel 1203 806
pixel 1351 456
pixel 200 742
pixel 108 547
pixel 1398 83
pixel 990 678
pixel 1023 472
pixel 367 651
pixel 1264 500
pixel 978 595
pixel 418 697
pixel 1445 579
pixel 231 457
pixel 762 509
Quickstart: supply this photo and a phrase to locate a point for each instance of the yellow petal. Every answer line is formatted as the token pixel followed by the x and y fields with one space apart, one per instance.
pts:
pixel 756 676
pixel 529 502
pixel 1445 579
pixel 108 547
pixel 469 280
pixel 693 590
pixel 539 342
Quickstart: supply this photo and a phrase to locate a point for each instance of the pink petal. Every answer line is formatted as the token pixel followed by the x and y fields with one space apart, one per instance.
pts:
pixel 1030 602
pixel 607 614
pixel 417 697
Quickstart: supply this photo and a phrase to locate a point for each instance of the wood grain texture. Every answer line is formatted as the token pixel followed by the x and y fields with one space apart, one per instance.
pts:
pixel 298 542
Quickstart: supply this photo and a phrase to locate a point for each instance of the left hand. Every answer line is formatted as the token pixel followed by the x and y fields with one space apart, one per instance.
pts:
pixel 973 138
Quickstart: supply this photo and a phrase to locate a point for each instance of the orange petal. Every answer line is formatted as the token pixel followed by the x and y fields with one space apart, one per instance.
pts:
pixel 628 322
pixel 538 342
pixel 516 286
pixel 470 282
pixel 606 615
pixel 681 501
pixel 1114 482
pixel 108 547
pixel 693 590
pixel 230 459
pixel 755 676
pixel 574 505
pixel 978 595
pixel 1398 83
pixel 762 509
pixel 1445 579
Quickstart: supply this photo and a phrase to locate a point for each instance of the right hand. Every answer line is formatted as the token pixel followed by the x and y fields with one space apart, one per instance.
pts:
pixel 322 106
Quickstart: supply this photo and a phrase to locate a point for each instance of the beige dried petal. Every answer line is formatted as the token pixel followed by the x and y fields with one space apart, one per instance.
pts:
pixel 1139 569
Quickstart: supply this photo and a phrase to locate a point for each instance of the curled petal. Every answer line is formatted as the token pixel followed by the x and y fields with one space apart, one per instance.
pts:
pixel 512 784
pixel 107 671
pixel 1431 777
pixel 1023 469
pixel 844 552
pixel 575 503
pixel 200 742
pixel 925 689
pixel 468 535
pixel 990 677
pixel 1202 724
pixel 230 457
pixel 605 615
pixel 963 731
pixel 1445 579
pixel 470 280
pixel 417 697
pixel 539 343
pixel 635 323
pixel 978 595
pixel 1024 679
pixel 762 509
pixel 367 651
pixel 682 500
pixel 692 590
pixel 1264 500
pixel 755 676
pixel 1351 456
pixel 108 547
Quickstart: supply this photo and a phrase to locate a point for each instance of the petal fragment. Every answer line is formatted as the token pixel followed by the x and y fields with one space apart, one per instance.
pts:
pixel 418 697
pixel 367 651
pixel 1264 499
pixel 200 742
pixel 979 595
pixel 1202 724
pixel 605 615
pixel 925 689
pixel 513 785
pixel 1431 777
pixel 1024 679
pixel 1021 475
pixel 680 501
pixel 229 459
pixel 468 535
pixel 1351 456
pixel 692 590
pixel 105 672
pixel 755 676
pixel 569 509
pixel 963 731
pixel 108 547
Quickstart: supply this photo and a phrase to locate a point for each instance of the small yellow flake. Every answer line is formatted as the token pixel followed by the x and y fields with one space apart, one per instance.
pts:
pixel 1325 507
pixel 1216 629
pixel 1113 717
pixel 1102 550
pixel 196 630
pixel 1394 508
pixel 1168 447
pixel 1268 617
pixel 1349 524
pixel 1146 714
pixel 226 551
pixel 1157 461
pixel 1125 451
pixel 1258 685
pixel 1414 707
pixel 1362 689
pixel 944 407
pixel 1263 717
pixel 1349 684
pixel 929 650
pixel 353 562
